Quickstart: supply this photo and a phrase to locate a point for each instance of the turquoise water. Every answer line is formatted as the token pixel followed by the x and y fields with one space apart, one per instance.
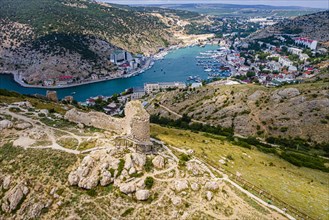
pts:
pixel 176 66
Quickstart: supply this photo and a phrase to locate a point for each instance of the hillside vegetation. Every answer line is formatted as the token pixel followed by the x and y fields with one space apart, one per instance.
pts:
pixel 303 188
pixel 313 26
pixel 45 39
pixel 295 116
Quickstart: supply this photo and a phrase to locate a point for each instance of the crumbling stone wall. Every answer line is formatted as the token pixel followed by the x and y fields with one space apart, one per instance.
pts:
pixel 135 124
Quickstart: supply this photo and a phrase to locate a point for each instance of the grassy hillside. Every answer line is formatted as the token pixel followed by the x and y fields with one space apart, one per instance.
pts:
pixel 303 188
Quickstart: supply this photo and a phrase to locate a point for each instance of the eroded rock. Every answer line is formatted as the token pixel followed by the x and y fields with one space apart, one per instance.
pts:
pixel 142 195
pixel 14 197
pixel 180 185
pixel 158 162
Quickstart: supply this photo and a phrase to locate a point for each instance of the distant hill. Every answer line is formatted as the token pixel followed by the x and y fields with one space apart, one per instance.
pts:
pixel 314 26
pixel 236 10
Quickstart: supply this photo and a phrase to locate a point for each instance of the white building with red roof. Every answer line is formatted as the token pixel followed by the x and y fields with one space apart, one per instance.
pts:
pixel 312 44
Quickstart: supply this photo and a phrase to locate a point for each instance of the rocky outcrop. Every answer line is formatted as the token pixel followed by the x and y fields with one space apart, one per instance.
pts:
pixel 139 160
pixel 285 94
pixel 135 125
pixel 22 126
pixel 35 210
pixel 158 162
pixel 142 195
pixel 194 186
pixel 24 104
pixel 212 186
pixel 6 182
pixel 128 188
pixel 180 185
pixel 52 96
pixel 5 124
pixel 256 95
pixel 176 201
pixel 14 197
pixel 209 195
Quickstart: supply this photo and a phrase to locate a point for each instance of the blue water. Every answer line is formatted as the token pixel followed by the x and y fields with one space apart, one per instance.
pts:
pixel 176 66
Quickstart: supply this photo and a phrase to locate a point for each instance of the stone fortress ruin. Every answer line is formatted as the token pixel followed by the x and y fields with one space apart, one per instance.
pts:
pixel 135 126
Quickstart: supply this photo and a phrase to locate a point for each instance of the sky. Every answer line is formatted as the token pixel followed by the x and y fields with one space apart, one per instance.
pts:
pixel 305 3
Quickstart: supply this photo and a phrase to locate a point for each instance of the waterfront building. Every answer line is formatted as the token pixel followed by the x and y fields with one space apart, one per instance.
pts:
pixel 156 87
pixel 120 56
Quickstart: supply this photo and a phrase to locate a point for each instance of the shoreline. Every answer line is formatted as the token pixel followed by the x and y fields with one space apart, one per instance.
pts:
pixel 23 84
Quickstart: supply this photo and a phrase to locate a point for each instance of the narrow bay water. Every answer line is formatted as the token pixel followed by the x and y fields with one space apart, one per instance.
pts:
pixel 177 66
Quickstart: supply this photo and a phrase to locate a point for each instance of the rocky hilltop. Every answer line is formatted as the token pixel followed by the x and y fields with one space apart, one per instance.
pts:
pixel 52 168
pixel 313 26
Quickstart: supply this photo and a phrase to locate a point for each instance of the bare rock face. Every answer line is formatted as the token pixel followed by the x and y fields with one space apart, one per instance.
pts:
pixel 176 201
pixel 25 104
pixel 128 188
pixel 35 210
pixel 102 167
pixel 139 160
pixel 256 95
pixel 106 178
pixel 212 186
pixel 158 162
pixel 5 124
pixel 194 168
pixel 84 176
pixel 6 182
pixel 285 94
pixel 128 162
pixel 22 126
pixel 194 186
pixel 142 195
pixel 209 195
pixel 14 197
pixel 180 185
pixel 52 96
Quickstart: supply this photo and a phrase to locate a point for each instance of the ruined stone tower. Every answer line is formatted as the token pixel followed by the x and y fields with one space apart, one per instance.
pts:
pixel 135 125
pixel 137 122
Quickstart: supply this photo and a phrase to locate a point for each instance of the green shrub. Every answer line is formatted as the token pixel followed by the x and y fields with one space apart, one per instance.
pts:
pixel 148 165
pixel 127 212
pixel 120 167
pixel 149 181
pixel 91 192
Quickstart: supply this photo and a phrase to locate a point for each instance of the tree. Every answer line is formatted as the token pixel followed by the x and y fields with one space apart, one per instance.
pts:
pixel 251 74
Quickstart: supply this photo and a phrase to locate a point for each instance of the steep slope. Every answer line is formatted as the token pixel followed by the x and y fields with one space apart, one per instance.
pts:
pixel 292 111
pixel 314 26
pixel 45 38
